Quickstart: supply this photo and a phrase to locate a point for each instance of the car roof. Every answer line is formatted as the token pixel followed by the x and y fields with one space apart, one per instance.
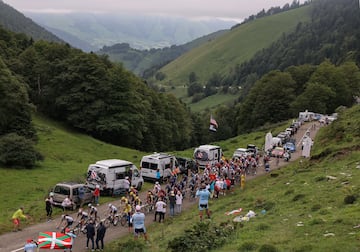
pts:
pixel 69 184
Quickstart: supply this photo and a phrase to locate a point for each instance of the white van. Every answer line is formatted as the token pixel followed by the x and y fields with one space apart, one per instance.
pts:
pixel 149 165
pixel 110 175
pixel 207 154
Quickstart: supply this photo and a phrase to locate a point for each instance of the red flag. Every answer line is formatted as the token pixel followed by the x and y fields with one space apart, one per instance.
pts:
pixel 54 240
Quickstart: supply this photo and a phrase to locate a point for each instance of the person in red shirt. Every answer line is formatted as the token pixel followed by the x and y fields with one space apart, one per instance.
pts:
pixel 96 194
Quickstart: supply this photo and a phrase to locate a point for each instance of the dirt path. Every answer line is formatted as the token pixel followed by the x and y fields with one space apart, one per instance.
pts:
pixel 14 241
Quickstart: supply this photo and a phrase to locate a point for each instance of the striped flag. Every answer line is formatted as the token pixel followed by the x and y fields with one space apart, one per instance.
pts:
pixel 213 124
pixel 54 240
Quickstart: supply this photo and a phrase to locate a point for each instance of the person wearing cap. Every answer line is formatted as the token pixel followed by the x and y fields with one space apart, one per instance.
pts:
pixel 138 220
pixel 204 196
pixel 30 245
pixel 19 214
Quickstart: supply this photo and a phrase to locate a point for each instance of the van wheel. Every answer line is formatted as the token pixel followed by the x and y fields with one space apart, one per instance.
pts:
pixel 139 186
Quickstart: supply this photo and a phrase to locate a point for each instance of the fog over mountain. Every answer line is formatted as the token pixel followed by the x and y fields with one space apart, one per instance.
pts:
pixel 91 31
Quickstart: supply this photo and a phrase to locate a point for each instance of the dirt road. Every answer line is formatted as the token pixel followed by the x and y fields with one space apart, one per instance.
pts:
pixel 14 241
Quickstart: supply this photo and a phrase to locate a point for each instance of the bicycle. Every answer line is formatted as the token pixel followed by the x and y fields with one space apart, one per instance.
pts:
pixel 111 219
pixel 124 219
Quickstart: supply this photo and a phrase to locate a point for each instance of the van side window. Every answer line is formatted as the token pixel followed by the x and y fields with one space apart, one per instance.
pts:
pixel 120 175
pixel 153 166
pixel 76 191
pixel 62 190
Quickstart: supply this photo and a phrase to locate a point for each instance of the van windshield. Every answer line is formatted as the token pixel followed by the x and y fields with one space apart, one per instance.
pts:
pixel 147 165
pixel 62 190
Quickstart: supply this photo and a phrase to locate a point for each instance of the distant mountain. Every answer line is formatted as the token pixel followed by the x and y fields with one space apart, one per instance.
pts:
pixel 15 21
pixel 140 32
pixel 146 62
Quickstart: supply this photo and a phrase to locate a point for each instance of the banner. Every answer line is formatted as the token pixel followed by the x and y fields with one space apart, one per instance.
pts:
pixel 54 240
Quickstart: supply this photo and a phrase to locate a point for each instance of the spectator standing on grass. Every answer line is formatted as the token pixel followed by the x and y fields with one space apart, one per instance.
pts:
pixel 100 234
pixel 96 194
pixel 160 209
pixel 179 198
pixel 48 208
pixel 172 202
pixel 18 214
pixel 138 220
pixel 204 196
pixel 90 233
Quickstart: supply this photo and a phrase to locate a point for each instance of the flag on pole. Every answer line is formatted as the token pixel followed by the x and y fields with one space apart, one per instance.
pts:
pixel 54 240
pixel 213 124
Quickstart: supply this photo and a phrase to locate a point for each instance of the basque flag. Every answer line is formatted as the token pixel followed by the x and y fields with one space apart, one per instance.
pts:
pixel 54 240
pixel 213 124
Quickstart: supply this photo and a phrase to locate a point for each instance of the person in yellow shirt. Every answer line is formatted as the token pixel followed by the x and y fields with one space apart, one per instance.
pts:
pixel 19 214
pixel 127 209
pixel 242 183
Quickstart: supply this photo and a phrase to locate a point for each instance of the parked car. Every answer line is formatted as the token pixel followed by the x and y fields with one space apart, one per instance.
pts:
pixel 186 164
pixel 240 152
pixel 71 189
pixel 252 149
pixel 290 146
pixel 278 152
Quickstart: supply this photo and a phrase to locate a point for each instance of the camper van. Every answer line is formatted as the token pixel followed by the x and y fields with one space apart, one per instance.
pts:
pixel 207 154
pixel 110 175
pixel 151 163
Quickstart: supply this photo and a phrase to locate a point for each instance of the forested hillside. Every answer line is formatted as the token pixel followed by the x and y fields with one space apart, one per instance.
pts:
pixel 15 21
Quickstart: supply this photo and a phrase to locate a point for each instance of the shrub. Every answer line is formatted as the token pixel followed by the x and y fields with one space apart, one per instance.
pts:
pixel 248 246
pixel 315 207
pixel 349 199
pixel 130 246
pixel 202 237
pixel 298 197
pixel 17 151
pixel 268 248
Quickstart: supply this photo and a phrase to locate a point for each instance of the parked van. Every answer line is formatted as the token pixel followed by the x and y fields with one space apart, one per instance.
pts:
pixel 110 175
pixel 149 165
pixel 71 190
pixel 207 154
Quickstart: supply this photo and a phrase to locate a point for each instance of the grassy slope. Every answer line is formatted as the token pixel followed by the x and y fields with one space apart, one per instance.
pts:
pixel 67 156
pixel 301 193
pixel 234 47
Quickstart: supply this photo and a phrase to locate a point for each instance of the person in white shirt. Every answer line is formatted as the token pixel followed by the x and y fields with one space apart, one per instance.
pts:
pixel 160 209
pixel 179 199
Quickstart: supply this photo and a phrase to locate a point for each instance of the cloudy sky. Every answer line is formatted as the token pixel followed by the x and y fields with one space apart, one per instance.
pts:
pixel 231 9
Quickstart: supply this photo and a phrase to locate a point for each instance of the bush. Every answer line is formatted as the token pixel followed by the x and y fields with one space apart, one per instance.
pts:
pixel 268 248
pixel 202 237
pixel 130 246
pixel 17 151
pixel 349 199
pixel 248 246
